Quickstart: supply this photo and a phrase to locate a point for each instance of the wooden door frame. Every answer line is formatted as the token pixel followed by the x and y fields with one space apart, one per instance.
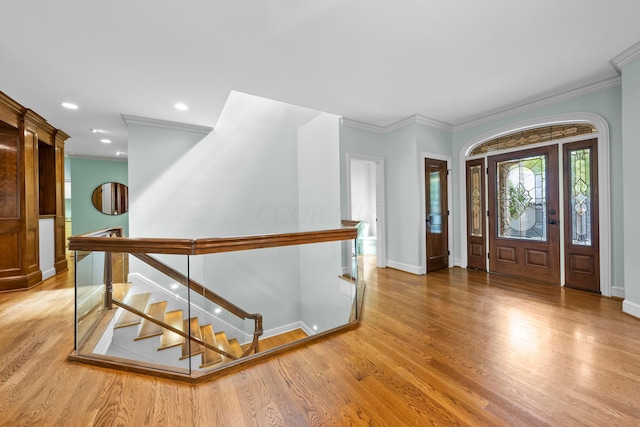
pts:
pixel 378 163
pixel 423 210
pixel 604 178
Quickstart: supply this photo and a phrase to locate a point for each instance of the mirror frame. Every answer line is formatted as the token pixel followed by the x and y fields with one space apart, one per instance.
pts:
pixel 118 194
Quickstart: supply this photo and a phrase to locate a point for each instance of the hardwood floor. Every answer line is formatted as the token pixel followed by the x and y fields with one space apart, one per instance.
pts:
pixel 455 347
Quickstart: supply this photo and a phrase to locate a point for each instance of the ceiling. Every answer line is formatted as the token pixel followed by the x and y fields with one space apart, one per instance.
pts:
pixel 375 62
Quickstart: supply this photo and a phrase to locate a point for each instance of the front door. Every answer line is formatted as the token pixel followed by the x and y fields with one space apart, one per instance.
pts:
pixel 437 221
pixel 524 230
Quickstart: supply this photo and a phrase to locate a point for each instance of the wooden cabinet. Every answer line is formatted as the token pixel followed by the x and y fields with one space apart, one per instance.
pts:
pixel 31 185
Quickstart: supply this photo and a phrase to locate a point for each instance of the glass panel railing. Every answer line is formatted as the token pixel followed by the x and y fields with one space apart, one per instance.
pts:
pixel 89 290
pixel 120 333
pixel 299 291
pixel 192 314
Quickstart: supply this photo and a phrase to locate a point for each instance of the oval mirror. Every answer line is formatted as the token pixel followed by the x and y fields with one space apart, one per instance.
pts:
pixel 111 198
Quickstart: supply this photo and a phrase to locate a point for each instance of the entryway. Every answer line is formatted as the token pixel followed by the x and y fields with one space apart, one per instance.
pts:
pixel 542 206
pixel 365 193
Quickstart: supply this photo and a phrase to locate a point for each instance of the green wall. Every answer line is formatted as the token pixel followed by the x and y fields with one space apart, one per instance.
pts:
pixel 86 175
pixel 631 206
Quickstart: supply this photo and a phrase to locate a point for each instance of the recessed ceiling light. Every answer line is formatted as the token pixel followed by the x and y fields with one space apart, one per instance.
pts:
pixel 180 106
pixel 69 105
pixel 120 153
pixel 106 141
pixel 97 130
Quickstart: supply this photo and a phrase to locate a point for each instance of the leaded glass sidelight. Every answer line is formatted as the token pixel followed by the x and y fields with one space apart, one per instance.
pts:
pixel 521 210
pixel 434 202
pixel 475 200
pixel 580 196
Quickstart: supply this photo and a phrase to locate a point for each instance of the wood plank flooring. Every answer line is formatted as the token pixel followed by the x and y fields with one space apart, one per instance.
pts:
pixel 455 347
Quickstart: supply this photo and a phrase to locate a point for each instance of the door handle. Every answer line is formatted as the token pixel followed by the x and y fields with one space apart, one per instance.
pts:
pixel 552 221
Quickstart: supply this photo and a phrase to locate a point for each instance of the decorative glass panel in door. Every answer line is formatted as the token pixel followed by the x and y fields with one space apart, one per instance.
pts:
pixel 476 216
pixel 582 262
pixel 523 215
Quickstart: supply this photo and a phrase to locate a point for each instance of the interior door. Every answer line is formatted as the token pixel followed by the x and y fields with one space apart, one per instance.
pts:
pixel 476 215
pixel 581 230
pixel 437 222
pixel 524 230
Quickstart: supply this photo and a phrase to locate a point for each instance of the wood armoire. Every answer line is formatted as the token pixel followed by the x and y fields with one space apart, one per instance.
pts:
pixel 31 188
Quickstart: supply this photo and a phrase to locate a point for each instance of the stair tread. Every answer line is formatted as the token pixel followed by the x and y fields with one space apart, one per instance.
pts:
pixel 137 301
pixel 171 339
pixel 150 329
pixel 121 290
pixel 191 345
pixel 209 357
pixel 236 348
pixel 224 344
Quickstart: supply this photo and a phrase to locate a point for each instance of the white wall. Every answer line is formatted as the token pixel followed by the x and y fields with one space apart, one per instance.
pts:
pixel 47 247
pixel 322 304
pixel 363 194
pixel 403 200
pixel 260 171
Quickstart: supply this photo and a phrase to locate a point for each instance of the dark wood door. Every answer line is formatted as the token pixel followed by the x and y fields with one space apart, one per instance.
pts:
pixel 581 230
pixel 437 221
pixel 476 216
pixel 524 230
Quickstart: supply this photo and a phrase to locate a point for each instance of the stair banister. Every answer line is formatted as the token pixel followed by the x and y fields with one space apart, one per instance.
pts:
pixel 172 329
pixel 112 240
pixel 210 295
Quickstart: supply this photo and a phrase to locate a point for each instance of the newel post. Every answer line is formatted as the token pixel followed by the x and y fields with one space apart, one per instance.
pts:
pixel 108 280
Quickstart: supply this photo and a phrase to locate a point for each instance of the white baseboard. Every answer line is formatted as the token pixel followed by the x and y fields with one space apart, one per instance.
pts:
pixel 617 291
pixel 414 269
pixel 287 328
pixel 48 273
pixel 631 308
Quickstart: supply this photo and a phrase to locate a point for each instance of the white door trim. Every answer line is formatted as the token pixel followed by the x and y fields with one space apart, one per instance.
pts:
pixel 604 179
pixel 380 202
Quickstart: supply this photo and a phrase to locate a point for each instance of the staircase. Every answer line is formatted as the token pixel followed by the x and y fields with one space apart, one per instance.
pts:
pixel 147 330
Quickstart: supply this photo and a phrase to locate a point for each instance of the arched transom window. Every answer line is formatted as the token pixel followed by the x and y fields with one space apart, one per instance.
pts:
pixel 533 136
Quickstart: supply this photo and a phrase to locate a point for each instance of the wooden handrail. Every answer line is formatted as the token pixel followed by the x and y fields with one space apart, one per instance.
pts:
pixel 171 328
pixel 100 241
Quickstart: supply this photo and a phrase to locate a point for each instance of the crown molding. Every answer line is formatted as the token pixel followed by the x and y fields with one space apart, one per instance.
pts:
pixel 363 126
pixel 415 119
pixel 627 56
pixel 422 120
pixel 93 157
pixel 529 105
pixel 541 102
pixel 146 121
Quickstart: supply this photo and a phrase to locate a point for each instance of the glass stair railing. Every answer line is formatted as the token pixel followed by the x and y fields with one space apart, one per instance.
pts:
pixel 163 306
